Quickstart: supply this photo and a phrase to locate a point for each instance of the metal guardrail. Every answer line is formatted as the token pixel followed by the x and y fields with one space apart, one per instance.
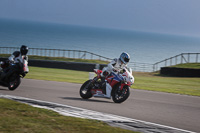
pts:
pixel 178 59
pixel 141 67
pixel 56 53
pixel 78 54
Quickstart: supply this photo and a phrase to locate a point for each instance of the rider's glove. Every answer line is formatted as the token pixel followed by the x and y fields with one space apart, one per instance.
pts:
pixel 11 61
pixel 11 58
pixel 122 71
pixel 114 70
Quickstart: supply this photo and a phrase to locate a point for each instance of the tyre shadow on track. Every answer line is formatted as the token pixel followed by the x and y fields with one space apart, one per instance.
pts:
pixel 4 89
pixel 87 100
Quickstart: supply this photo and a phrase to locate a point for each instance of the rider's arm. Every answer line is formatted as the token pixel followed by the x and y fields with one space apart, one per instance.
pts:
pixel 11 58
pixel 26 58
pixel 123 69
pixel 112 64
pixel 14 55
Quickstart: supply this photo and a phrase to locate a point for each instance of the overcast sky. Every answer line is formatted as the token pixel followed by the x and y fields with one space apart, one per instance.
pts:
pixel 165 16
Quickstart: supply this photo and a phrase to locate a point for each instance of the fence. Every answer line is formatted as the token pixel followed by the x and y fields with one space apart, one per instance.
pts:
pixel 178 59
pixel 141 67
pixel 78 54
pixel 56 53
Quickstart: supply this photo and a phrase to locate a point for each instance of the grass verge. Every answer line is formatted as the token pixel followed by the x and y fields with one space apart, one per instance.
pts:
pixel 188 65
pixel 22 118
pixel 145 81
pixel 179 85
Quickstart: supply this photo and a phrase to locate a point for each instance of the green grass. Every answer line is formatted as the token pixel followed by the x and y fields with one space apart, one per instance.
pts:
pixel 22 118
pixel 145 81
pixel 188 65
pixel 60 75
pixel 154 82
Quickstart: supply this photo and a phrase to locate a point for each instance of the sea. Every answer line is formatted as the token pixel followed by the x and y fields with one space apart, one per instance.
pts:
pixel 143 47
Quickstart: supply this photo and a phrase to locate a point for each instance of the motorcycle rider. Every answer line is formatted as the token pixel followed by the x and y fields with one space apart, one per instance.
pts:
pixel 17 57
pixel 115 65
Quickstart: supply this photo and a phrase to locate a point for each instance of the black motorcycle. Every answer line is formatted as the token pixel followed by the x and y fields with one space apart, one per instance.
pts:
pixel 14 80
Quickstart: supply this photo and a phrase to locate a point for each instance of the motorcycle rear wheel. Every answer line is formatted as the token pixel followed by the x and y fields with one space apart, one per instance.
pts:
pixel 85 92
pixel 119 96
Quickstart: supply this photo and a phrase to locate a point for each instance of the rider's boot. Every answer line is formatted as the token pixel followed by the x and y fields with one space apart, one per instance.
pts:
pixel 108 91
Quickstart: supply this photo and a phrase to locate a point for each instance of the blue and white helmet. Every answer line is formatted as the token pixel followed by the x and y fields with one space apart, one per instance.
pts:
pixel 124 57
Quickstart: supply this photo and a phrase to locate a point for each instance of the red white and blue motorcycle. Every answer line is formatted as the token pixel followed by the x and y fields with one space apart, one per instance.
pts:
pixel 116 86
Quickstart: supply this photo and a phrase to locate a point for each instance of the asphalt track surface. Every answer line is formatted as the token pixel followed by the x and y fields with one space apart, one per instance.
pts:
pixel 179 111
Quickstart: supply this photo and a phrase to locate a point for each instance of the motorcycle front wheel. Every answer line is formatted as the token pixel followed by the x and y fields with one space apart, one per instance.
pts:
pixel 85 90
pixel 14 83
pixel 120 96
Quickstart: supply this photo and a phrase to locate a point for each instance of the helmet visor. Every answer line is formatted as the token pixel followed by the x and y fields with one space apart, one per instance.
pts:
pixel 126 59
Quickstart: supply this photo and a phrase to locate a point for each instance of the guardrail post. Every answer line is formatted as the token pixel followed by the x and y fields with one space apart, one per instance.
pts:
pixel 68 53
pixel 41 52
pixel 63 53
pixel 91 56
pixel 170 61
pixel 36 51
pixel 49 52
pixel 188 57
pixel 181 58
pixel 45 52
pixel 175 60
pixel 78 54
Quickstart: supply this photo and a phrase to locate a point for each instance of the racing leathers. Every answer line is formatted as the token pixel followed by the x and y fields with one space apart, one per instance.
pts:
pixel 114 65
pixel 17 57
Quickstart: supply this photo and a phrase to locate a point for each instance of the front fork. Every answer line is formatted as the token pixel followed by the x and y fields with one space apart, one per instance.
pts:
pixel 122 86
pixel 94 79
pixel 91 83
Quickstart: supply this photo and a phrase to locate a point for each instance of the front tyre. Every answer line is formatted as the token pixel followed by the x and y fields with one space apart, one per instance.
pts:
pixel 14 83
pixel 120 96
pixel 85 92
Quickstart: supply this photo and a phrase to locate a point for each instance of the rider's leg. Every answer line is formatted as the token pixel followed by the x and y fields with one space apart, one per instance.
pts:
pixel 108 91
pixel 104 74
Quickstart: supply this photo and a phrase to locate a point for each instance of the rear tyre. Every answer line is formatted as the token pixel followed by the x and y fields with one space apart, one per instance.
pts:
pixel 120 96
pixel 85 90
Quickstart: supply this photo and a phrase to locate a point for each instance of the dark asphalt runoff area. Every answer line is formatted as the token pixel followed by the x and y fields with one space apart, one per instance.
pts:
pixel 174 110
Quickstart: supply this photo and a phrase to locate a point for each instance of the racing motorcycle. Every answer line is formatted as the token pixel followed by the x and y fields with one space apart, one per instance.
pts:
pixel 116 86
pixel 14 80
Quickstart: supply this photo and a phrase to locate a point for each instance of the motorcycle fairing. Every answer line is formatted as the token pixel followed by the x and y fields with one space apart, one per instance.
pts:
pixel 114 78
pixel 98 72
pixel 99 93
